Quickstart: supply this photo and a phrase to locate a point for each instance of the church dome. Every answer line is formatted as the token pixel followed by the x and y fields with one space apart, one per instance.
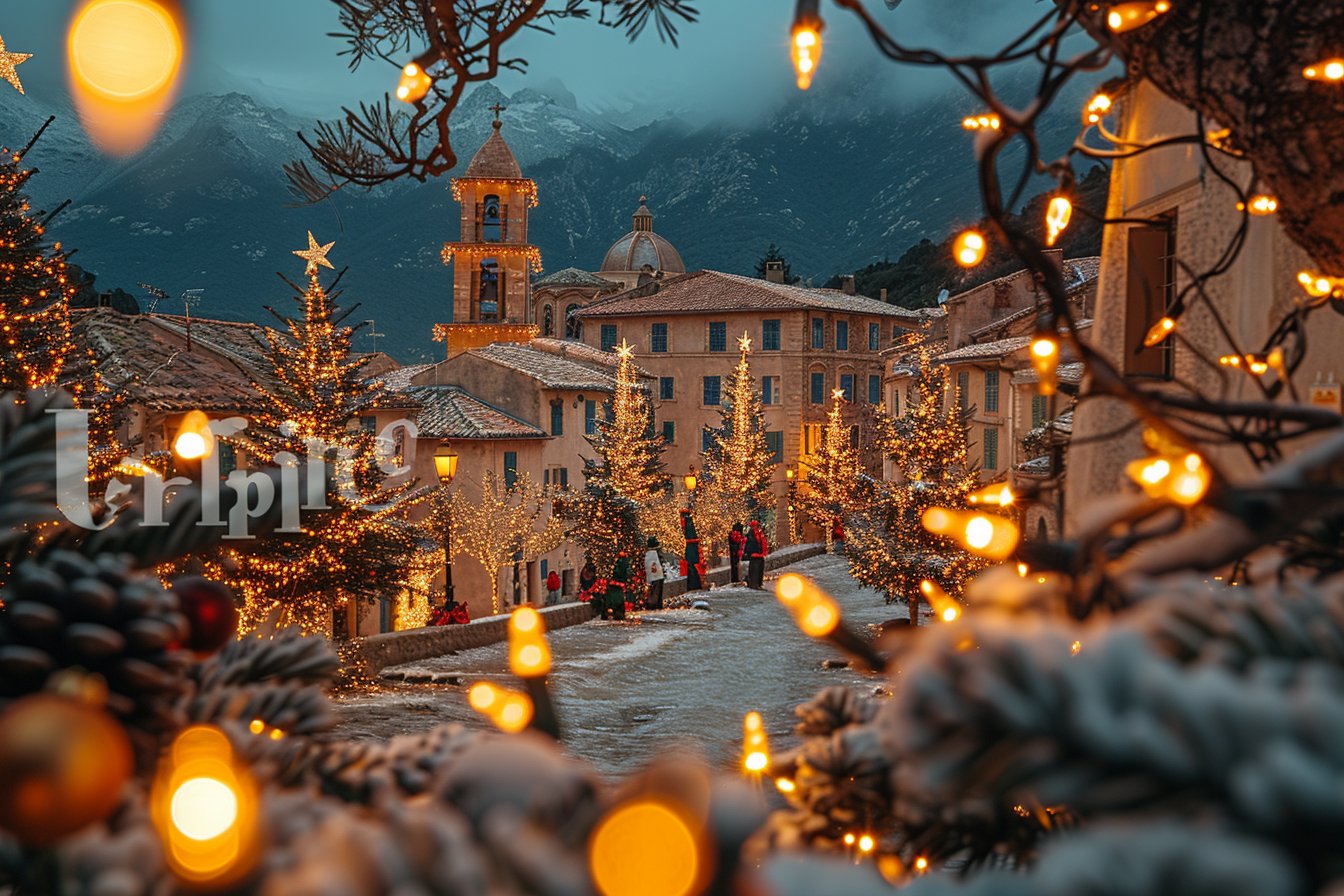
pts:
pixel 494 160
pixel 641 246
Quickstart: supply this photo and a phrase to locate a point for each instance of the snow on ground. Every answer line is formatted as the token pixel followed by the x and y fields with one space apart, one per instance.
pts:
pixel 664 680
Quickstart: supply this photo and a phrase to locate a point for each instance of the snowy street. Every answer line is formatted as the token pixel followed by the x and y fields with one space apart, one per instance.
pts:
pixel 629 691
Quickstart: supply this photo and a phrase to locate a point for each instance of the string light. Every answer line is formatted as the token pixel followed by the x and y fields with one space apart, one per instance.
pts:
pixel 1320 286
pixel 510 711
pixel 992 537
pixel 939 600
pixel 806 42
pixel 1331 70
pixel 1000 494
pixel 194 440
pixel 1159 331
pixel 813 610
pixel 1259 204
pixel 1097 108
pixel 755 746
pixel 1044 353
pixel 1127 16
pixel 785 785
pixel 529 654
pixel 1057 217
pixel 969 248
pixel 1182 480
pixel 866 843
pixel 414 84
pixel 981 123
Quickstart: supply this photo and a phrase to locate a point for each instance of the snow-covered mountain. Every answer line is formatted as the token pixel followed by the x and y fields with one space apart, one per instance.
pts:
pixel 835 181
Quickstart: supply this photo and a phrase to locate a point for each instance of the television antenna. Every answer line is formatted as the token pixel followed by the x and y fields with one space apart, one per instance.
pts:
pixel 157 294
pixel 190 299
pixel 373 333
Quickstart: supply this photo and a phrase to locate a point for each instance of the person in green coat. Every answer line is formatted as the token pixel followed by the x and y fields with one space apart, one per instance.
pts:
pixel 618 583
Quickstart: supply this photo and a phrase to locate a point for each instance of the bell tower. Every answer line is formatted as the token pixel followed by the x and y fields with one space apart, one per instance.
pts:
pixel 492 260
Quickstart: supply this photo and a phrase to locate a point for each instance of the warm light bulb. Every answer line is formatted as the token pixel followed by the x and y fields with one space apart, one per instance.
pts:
pixel 981 122
pixel 993 537
pixel 865 843
pixel 785 785
pixel 813 610
pixel 1317 285
pixel 1159 331
pixel 969 248
pixel 1259 204
pixel 1022 570
pixel 1127 16
pixel 849 839
pixel 950 614
pixel 510 711
pixel 529 654
pixel 921 864
pixel 1075 647
pixel 414 84
pixel 194 440
pixel 1326 70
pixel 806 50
pixel 204 808
pixel 1045 361
pixel 999 494
pixel 1057 217
pixel 1097 107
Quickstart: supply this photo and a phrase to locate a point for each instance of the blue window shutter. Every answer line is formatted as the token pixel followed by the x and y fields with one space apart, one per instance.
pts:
pixel 510 468
pixel 847 386
pixel 775 442
pixel 608 337
pixel 842 336
pixel 818 388
pixel 590 417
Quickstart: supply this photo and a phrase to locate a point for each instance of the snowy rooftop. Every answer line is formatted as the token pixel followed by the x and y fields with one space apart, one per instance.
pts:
pixel 1000 348
pixel 448 412
pixel 1065 373
pixel 706 291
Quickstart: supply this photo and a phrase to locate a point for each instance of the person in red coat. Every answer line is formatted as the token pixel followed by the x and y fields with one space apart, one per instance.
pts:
pixel 838 536
pixel 736 542
pixel 552 588
pixel 756 548
pixel 451 613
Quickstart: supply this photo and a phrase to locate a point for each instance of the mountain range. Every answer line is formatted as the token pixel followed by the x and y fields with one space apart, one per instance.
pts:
pixel 837 180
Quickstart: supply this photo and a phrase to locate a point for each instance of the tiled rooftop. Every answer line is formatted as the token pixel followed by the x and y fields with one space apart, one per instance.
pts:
pixel 553 369
pixel 998 349
pixel 1065 373
pixel 705 291
pixel 575 277
pixel 448 412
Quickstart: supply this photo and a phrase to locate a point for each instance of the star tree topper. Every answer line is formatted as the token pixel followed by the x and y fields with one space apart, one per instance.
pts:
pixel 625 350
pixel 744 343
pixel 8 61
pixel 315 255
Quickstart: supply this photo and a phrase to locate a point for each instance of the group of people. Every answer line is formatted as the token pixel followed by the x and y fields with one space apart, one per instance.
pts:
pixel 752 546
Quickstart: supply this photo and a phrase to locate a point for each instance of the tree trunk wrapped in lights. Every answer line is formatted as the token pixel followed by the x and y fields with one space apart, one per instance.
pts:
pixel 888 547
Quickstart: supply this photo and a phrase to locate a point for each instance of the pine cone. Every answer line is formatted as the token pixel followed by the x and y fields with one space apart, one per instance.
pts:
pixel 70 611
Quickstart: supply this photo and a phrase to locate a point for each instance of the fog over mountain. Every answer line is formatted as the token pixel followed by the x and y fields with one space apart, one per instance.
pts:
pixel 836 178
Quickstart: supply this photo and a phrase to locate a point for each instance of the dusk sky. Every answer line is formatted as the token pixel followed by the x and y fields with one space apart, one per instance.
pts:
pixel 733 58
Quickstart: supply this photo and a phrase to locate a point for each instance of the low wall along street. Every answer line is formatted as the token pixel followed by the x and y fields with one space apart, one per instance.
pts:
pixel 395 648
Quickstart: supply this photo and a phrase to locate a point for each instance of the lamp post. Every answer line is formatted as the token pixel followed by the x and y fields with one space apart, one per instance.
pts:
pixel 790 495
pixel 691 481
pixel 445 467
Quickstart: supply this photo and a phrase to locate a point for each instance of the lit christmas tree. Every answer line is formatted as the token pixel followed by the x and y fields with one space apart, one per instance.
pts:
pixel 364 547
pixel 35 291
pixel 889 549
pixel 833 487
pixel 738 461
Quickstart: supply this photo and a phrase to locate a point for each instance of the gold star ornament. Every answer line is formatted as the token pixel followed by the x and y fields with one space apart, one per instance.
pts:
pixel 315 255
pixel 837 394
pixel 8 61
pixel 744 343
pixel 625 350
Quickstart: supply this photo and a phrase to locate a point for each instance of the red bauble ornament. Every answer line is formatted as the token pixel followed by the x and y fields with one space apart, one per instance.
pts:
pixel 63 764
pixel 210 610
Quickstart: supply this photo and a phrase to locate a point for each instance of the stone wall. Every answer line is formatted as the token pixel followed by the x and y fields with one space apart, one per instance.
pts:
pixel 395 648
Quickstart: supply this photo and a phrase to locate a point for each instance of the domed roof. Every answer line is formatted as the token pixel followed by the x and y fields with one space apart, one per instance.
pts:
pixel 494 160
pixel 641 246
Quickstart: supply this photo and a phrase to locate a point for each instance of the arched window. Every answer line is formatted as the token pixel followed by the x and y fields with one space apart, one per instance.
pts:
pixel 573 326
pixel 489 292
pixel 492 227
pixel 547 321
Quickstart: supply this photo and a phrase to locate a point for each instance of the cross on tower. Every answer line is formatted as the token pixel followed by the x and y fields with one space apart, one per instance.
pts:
pixel 497 108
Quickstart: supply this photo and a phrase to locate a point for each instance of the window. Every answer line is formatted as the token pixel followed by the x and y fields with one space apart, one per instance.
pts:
pixel 558 417
pixel 489 293
pixel 669 431
pixel 1037 410
pixel 842 335
pixel 818 385
pixel 1150 287
pixel 228 458
pixel 991 448
pixel 608 337
pixel 666 387
pixel 992 391
pixel 847 386
pixel 818 333
pixel 769 335
pixel 706 439
pixel 573 326
pixel 547 321
pixel 510 468
pixel 564 477
pixel 658 338
pixel 811 438
pixel 770 390
pixel 874 389
pixel 775 442
pixel 718 337
pixel 963 386
pixel 712 386
pixel 874 337
pixel 895 409
pixel 590 418
pixel 895 331
pixel 492 222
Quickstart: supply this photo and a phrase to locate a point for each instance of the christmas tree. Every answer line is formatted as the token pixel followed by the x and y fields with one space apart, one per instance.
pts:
pixel 738 462
pixel 888 547
pixel 364 547
pixel 834 485
pixel 35 291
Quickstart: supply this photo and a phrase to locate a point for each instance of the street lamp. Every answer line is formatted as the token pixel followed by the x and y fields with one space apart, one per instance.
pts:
pixel 690 480
pixel 445 467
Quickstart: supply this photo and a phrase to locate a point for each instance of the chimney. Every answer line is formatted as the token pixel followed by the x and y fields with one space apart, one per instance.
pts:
pixel 774 271
pixel 847 284
pixel 883 294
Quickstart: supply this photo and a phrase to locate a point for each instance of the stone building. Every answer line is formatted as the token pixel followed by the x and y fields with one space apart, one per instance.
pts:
pixel 1175 208
pixel 805 343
